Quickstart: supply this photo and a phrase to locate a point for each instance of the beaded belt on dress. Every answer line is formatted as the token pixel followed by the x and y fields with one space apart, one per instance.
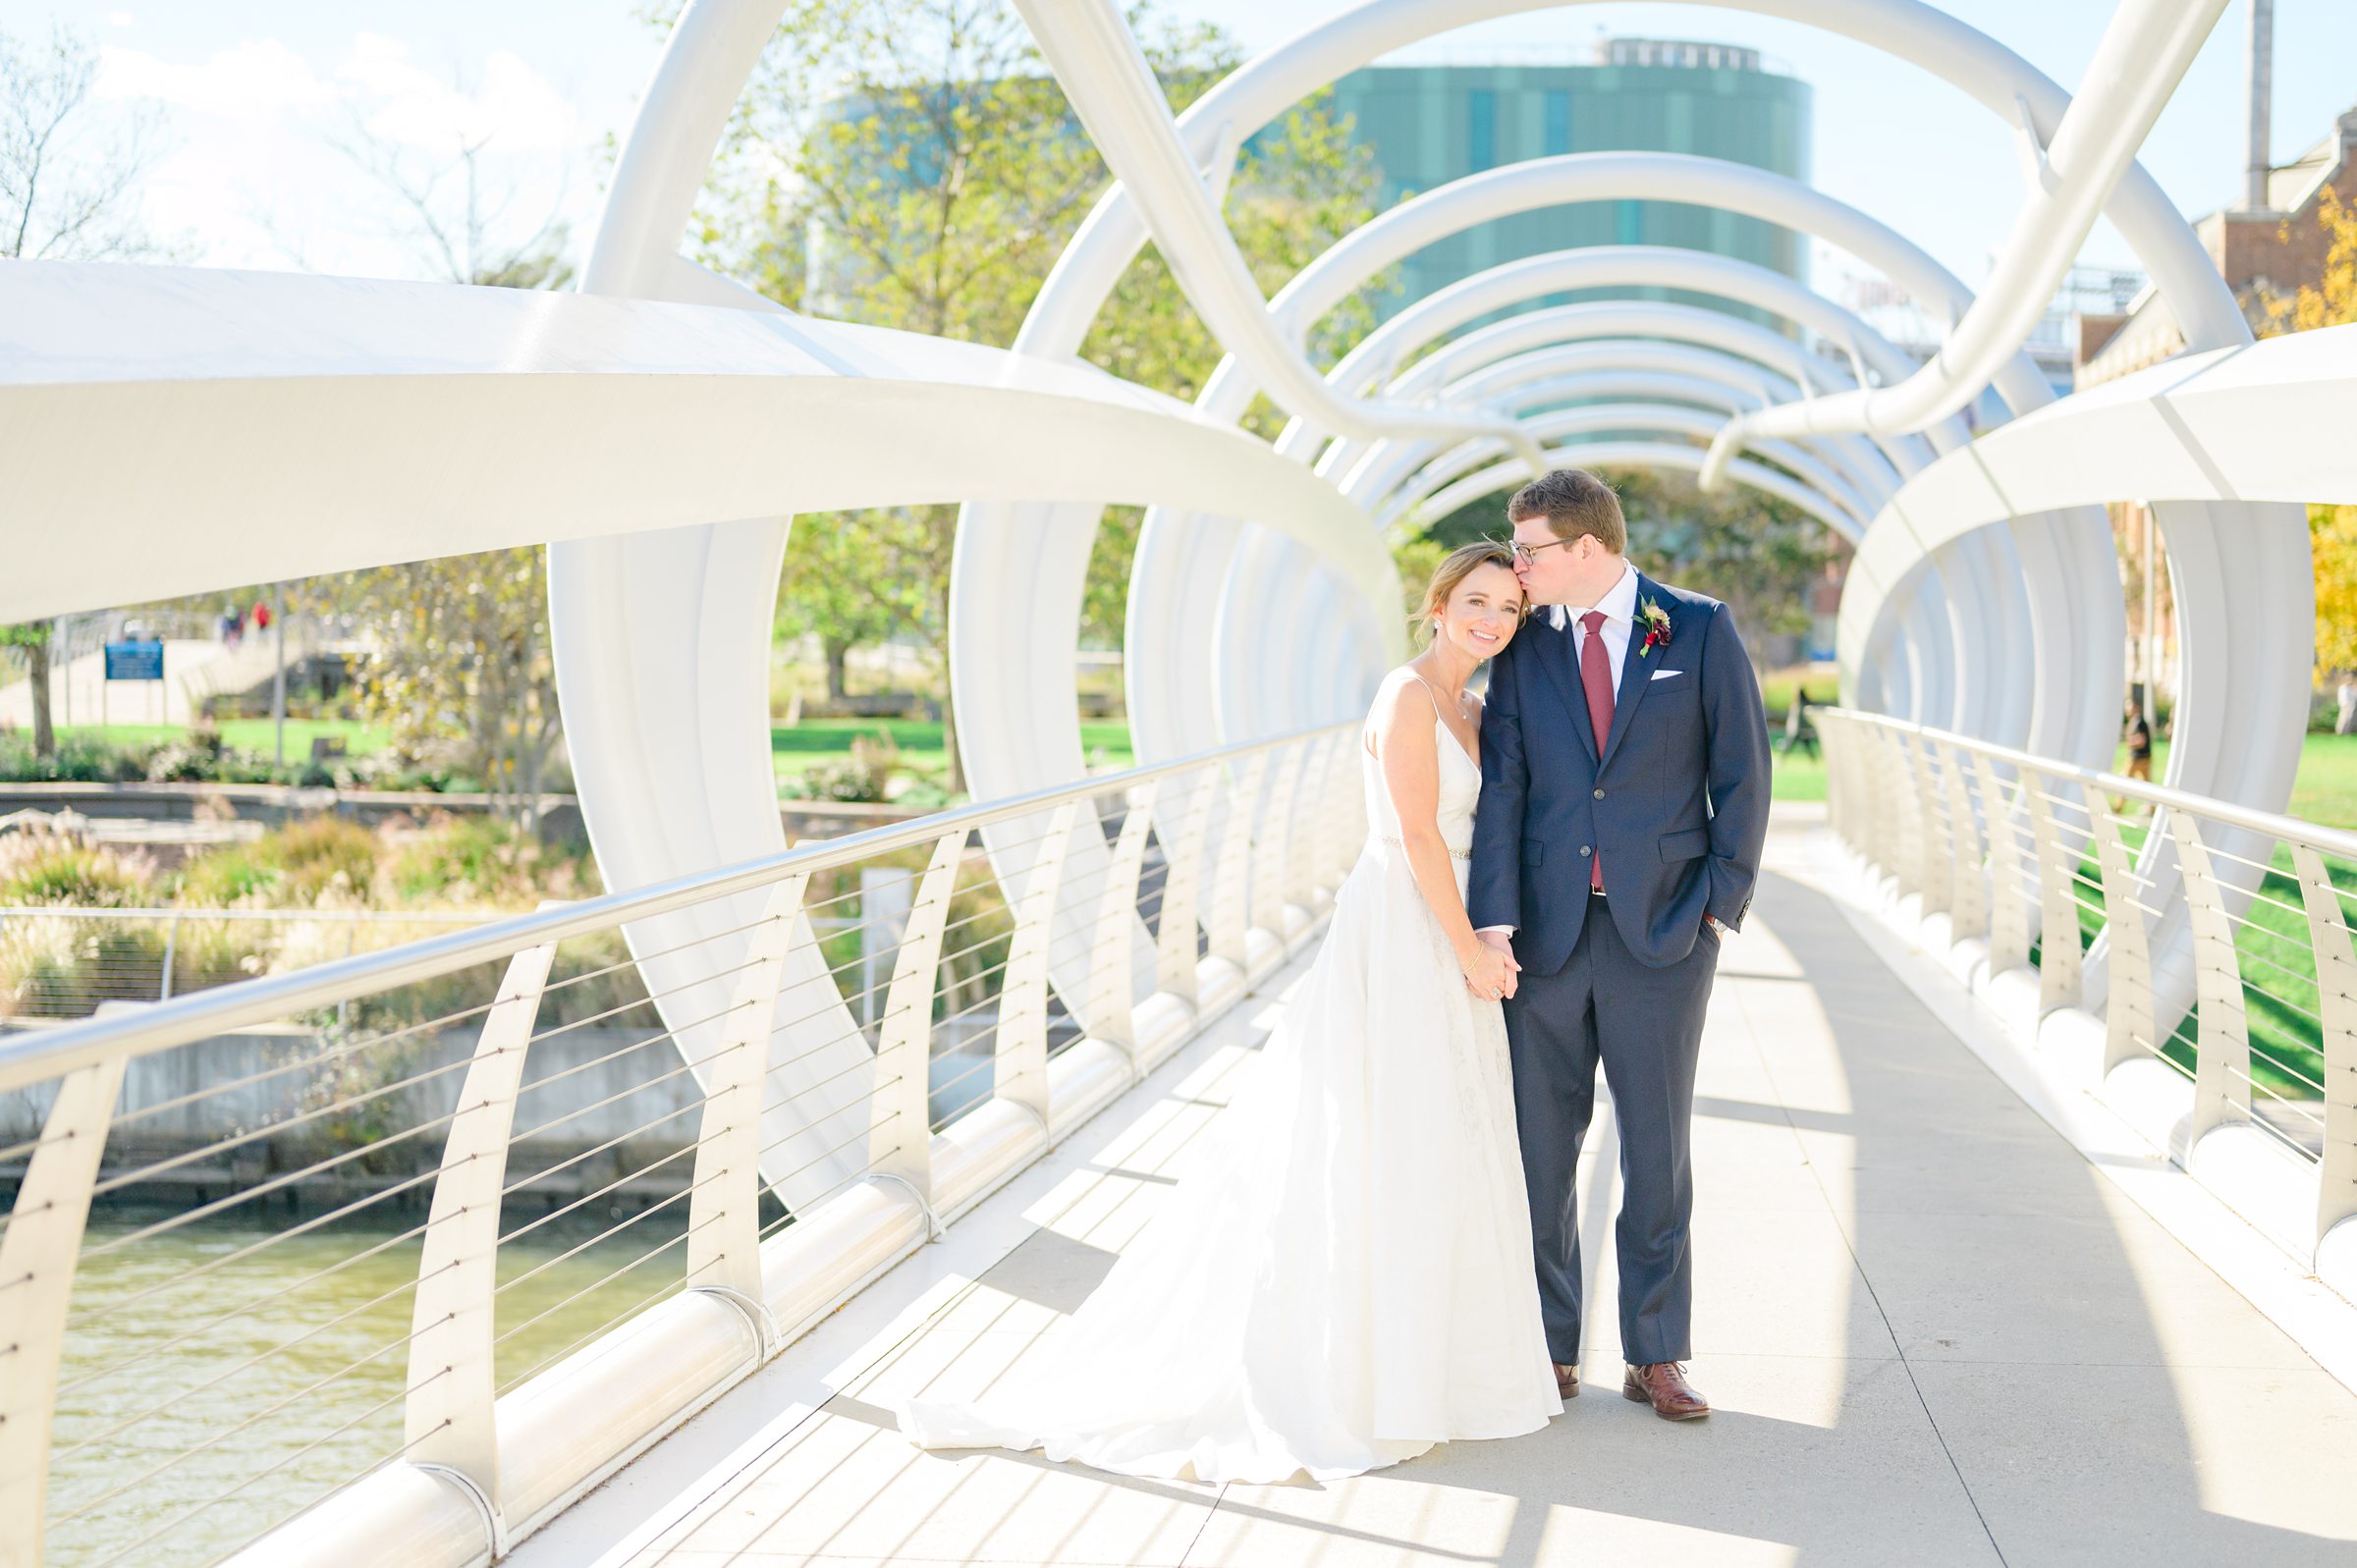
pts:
pixel 1385 837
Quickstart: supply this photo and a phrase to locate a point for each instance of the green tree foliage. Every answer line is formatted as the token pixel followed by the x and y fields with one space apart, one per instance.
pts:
pixel 1758 554
pixel 460 671
pixel 912 164
pixel 2331 302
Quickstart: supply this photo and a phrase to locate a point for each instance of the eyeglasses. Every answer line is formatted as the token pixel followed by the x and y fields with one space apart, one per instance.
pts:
pixel 1528 554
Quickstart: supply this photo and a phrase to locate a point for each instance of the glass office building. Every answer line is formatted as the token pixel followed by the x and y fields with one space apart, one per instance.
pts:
pixel 1429 124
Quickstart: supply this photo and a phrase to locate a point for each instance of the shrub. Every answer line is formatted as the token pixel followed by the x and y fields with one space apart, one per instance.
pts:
pixel 52 868
pixel 863 777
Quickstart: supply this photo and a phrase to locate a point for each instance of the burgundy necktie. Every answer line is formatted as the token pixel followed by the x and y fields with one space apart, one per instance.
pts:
pixel 1596 679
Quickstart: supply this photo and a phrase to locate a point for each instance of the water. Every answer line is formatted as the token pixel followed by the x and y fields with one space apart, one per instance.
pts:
pixel 187 1426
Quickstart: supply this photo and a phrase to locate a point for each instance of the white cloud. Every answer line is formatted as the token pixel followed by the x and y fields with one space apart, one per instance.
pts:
pixel 257 79
pixel 118 19
pixel 512 107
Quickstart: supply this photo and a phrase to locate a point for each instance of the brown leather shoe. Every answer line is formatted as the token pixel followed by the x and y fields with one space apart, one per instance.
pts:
pixel 1664 1386
pixel 1566 1379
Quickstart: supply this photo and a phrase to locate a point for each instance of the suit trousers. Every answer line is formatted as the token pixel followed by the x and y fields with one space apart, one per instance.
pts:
pixel 1645 1026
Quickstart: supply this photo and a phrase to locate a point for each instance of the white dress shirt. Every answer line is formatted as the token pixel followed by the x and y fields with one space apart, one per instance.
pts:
pixel 1619 607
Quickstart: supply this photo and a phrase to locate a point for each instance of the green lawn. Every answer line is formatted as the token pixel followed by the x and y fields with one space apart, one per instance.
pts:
pixel 817 740
pixel 2325 791
pixel 251 735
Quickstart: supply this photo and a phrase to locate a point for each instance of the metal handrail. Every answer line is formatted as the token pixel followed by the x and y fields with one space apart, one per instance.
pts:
pixel 2331 841
pixel 769 1083
pixel 2194 939
pixel 58 1051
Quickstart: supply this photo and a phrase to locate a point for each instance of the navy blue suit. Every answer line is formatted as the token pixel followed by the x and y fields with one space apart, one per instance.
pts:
pixel 1676 800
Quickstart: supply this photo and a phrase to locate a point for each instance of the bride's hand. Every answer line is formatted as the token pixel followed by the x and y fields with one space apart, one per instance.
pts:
pixel 1489 971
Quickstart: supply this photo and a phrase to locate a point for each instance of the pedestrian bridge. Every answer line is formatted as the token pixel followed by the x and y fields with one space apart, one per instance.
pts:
pixel 2028 1152
pixel 1935 1331
pixel 1964 1293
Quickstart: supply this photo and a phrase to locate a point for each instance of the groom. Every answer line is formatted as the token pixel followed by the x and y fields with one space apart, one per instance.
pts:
pixel 1624 803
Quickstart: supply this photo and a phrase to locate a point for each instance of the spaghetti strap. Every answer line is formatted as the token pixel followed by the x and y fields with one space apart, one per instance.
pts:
pixel 1366 733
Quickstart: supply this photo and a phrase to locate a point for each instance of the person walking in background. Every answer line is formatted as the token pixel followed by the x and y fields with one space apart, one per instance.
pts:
pixel 1799 731
pixel 2139 740
pixel 2348 704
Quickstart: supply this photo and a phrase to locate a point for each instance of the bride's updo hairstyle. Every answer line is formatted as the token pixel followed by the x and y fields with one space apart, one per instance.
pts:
pixel 1455 567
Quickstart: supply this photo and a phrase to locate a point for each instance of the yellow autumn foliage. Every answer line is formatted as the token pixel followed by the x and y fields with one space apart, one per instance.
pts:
pixel 2331 302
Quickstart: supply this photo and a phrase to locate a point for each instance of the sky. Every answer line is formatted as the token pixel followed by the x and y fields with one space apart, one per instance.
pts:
pixel 257 94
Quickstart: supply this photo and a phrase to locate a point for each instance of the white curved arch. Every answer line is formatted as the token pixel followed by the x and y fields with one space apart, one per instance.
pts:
pixel 1029 731
pixel 1636 454
pixel 1931 39
pixel 1179 682
pixel 2065 646
pixel 1614 367
pixel 1837 501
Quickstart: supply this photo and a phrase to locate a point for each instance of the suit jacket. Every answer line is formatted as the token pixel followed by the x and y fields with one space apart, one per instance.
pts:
pixel 1675 798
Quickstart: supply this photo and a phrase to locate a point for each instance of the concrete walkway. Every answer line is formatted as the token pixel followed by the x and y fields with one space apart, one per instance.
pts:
pixel 1933 1334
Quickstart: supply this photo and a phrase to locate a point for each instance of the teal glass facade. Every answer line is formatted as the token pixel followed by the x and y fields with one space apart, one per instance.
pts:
pixel 1429 125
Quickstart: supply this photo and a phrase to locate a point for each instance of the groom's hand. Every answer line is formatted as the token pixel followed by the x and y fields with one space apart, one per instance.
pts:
pixel 1504 943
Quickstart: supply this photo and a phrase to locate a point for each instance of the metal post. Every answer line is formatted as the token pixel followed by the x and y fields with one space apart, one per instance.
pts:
pixel 1268 868
pixel 447 1420
pixel 885 893
pixel 1020 1066
pixel 2128 1028
pixel 900 1138
pixel 2058 955
pixel 1183 881
pixel 278 681
pixel 2222 1051
pixel 1933 856
pixel 1227 925
pixel 1302 817
pixel 724 1205
pixel 171 946
pixel 1112 998
pixel 38 1254
pixel 2008 877
pixel 1969 889
pixel 1902 857
pixel 2337 989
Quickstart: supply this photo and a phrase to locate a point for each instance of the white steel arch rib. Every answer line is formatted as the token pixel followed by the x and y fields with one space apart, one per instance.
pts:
pixel 1180 680
pixel 661 575
pixel 1639 455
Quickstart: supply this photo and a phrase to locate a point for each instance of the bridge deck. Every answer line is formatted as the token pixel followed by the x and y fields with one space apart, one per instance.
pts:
pixel 1934 1333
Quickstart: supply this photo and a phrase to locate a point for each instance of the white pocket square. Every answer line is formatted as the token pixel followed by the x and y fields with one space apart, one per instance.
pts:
pixel 1664 675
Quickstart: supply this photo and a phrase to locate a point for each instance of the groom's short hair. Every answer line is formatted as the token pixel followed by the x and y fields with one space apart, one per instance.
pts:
pixel 1573 502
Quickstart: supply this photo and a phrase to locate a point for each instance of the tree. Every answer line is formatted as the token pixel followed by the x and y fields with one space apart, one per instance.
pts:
pixel 2331 302
pixel 912 163
pixel 464 219
pixel 67 192
pixel 460 668
pixel 1758 554
pixel 460 671
pixel 68 186
pixel 33 637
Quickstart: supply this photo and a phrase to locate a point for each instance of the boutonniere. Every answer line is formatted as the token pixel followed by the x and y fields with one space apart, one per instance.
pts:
pixel 1655 621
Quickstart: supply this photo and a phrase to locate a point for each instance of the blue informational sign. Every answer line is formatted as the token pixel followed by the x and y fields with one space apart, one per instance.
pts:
pixel 134 661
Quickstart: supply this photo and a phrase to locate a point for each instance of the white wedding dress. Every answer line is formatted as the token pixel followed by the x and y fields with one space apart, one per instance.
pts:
pixel 1343 1278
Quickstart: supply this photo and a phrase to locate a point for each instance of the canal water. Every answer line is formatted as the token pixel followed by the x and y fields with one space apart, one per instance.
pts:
pixel 220 1377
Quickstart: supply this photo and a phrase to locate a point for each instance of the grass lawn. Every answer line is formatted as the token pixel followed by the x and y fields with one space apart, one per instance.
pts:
pixel 251 735
pixel 2325 791
pixel 817 740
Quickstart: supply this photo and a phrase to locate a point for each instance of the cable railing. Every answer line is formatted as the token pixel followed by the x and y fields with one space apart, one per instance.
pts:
pixel 2209 942
pixel 422 1242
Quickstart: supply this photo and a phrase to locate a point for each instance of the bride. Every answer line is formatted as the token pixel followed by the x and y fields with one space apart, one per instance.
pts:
pixel 1347 1277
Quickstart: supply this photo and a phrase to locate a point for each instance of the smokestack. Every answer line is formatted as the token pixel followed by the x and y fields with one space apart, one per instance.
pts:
pixel 2260 58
